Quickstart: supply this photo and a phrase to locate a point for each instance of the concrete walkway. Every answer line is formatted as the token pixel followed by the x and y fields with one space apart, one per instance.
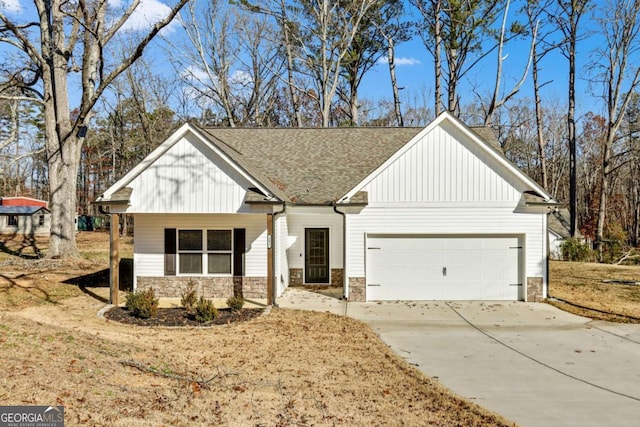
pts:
pixel 532 363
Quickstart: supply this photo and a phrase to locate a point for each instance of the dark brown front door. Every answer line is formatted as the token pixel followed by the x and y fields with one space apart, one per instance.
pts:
pixel 316 248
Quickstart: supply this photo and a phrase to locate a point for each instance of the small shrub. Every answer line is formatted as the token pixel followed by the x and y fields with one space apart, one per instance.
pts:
pixel 235 303
pixel 574 250
pixel 143 303
pixel 189 298
pixel 205 310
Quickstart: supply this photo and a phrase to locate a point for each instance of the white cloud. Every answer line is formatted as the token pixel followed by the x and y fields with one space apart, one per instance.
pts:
pixel 241 78
pixel 148 13
pixel 11 6
pixel 400 61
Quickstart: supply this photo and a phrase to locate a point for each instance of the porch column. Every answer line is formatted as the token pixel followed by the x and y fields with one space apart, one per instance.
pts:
pixel 269 258
pixel 114 258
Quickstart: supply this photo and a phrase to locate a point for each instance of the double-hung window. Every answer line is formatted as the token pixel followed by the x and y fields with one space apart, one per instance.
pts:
pixel 219 251
pixel 12 220
pixel 208 251
pixel 190 251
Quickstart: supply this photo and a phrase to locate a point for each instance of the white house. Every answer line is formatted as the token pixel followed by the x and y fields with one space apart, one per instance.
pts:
pixel 435 213
pixel 560 232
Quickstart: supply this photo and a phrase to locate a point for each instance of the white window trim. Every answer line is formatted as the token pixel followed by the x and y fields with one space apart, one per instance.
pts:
pixel 204 252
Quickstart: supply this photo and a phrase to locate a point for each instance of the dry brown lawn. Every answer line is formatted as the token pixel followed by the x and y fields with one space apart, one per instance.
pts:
pixel 597 286
pixel 285 368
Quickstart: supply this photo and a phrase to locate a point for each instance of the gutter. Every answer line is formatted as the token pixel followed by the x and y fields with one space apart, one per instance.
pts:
pixel 345 288
pixel 274 285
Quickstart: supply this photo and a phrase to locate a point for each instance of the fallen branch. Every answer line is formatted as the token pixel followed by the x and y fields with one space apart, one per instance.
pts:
pixel 191 380
pixel 628 255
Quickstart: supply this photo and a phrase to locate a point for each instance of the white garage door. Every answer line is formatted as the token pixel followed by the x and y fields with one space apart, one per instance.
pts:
pixel 443 268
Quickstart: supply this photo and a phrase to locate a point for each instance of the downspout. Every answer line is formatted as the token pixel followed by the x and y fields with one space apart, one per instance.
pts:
pixel 344 252
pixel 273 258
pixel 546 237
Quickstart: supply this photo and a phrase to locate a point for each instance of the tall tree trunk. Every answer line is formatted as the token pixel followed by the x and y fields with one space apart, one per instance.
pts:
pixel 62 147
pixel 394 83
pixel 539 125
pixel 437 61
pixel 602 202
pixel 62 185
pixel 452 96
pixel 354 107
pixel 571 134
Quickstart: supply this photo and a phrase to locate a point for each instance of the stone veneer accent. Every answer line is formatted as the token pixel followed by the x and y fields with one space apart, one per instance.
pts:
pixel 534 289
pixel 336 277
pixel 296 277
pixel 357 289
pixel 208 287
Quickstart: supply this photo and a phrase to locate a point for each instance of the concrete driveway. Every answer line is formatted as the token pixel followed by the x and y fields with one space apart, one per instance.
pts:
pixel 532 363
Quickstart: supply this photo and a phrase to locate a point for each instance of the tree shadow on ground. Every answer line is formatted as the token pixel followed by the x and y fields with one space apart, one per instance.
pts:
pixel 100 279
pixel 18 244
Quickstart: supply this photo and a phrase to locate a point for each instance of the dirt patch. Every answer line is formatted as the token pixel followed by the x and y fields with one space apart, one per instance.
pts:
pixel 173 317
pixel 597 286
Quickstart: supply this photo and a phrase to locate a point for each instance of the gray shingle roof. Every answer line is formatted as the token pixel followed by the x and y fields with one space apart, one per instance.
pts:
pixel 560 223
pixel 21 210
pixel 310 166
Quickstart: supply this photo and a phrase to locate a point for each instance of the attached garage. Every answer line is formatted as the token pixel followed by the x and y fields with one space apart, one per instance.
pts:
pixel 444 267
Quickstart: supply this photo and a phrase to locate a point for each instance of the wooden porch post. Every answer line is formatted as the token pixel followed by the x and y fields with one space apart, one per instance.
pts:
pixel 269 259
pixel 114 258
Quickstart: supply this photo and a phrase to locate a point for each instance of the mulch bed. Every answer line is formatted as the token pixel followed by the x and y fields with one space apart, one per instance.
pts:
pixel 180 317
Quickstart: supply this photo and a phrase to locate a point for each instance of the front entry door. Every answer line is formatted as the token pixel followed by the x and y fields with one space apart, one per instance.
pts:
pixel 316 249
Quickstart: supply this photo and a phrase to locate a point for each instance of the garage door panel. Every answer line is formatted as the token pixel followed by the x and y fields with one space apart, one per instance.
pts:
pixel 432 268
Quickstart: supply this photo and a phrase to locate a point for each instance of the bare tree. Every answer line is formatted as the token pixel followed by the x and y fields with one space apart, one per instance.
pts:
pixel 72 37
pixel 431 35
pixel 567 20
pixel 284 15
pixel 327 33
pixel 380 28
pixel 231 61
pixel 458 28
pixel 620 77
pixel 534 11
pixel 210 54
pixel 497 101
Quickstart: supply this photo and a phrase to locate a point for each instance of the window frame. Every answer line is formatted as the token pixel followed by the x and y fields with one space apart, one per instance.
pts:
pixel 12 221
pixel 204 252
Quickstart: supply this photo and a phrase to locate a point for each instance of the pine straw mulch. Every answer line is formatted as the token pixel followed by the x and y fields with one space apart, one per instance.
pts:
pixel 179 317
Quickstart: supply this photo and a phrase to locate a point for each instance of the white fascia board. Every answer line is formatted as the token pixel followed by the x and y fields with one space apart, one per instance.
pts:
pixel 163 148
pixel 468 133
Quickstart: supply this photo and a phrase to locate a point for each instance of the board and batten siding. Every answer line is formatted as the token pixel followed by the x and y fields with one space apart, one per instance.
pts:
pixel 189 177
pixel 148 240
pixel 447 184
pixel 301 218
pixel 443 167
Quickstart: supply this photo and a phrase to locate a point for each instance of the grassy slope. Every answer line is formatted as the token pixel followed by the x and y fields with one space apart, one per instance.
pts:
pixel 584 284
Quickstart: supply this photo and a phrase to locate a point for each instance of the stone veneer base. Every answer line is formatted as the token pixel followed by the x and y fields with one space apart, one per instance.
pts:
pixel 534 289
pixel 208 287
pixel 357 289
pixel 296 277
